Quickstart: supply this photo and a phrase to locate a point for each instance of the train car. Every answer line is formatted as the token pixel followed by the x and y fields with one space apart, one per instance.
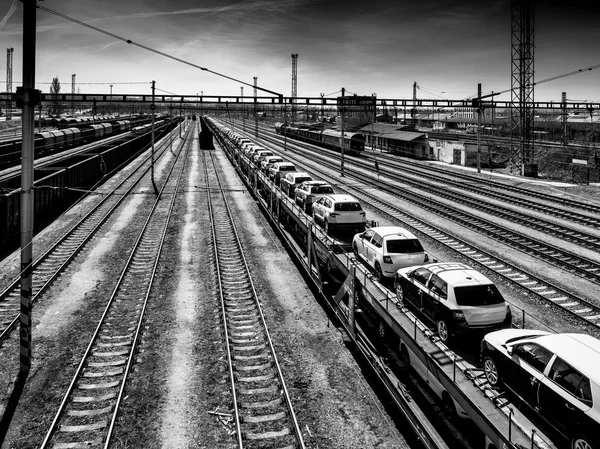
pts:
pixel 98 130
pixel 59 138
pixel 354 143
pixel 280 127
pixel 69 134
pixel 108 129
pixel 314 135
pixel 47 140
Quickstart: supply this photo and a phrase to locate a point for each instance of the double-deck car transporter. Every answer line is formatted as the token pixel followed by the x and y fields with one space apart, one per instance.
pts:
pixel 329 262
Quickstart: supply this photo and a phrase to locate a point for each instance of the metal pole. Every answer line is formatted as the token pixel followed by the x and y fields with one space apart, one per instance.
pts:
pixel 342 134
pixel 153 108
pixel 255 107
pixel 479 111
pixel 243 110
pixel 27 199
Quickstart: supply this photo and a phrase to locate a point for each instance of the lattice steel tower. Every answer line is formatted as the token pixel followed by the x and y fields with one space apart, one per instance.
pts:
pixel 522 83
pixel 294 83
pixel 9 71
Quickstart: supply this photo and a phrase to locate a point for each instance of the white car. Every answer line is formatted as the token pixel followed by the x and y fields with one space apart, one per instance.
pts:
pixel 292 180
pixel 388 248
pixel 338 211
pixel 309 192
pixel 279 169
pixel 455 297
pixel 557 375
pixel 268 162
pixel 260 155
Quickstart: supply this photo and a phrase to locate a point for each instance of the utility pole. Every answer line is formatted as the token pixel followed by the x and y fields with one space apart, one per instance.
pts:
pixel 255 106
pixel 294 84
pixel 244 111
pixel 28 98
pixel 322 110
pixel 479 111
pixel 342 112
pixel 565 116
pixel 72 93
pixel 414 109
pixel 152 108
pixel 9 72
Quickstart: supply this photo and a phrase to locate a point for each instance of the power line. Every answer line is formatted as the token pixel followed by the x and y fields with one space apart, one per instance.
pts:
pixel 129 41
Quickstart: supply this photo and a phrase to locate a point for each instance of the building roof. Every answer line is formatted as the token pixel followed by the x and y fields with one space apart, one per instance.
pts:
pixel 391 132
pixel 378 128
pixel 405 136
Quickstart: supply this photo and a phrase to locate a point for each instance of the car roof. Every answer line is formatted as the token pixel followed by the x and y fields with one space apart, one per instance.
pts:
pixel 270 158
pixel 582 351
pixel 283 164
pixel 316 182
pixel 458 274
pixel 297 174
pixel 341 198
pixel 393 231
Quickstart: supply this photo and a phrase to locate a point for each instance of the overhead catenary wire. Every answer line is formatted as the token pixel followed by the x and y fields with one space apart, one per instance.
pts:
pixel 166 55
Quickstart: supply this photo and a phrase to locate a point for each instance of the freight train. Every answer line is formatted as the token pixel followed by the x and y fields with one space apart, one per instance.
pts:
pixel 71 133
pixel 354 143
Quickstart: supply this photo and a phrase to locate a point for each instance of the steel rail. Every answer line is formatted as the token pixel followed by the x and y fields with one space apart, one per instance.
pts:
pixel 544 290
pixel 264 327
pixel 148 241
pixel 74 239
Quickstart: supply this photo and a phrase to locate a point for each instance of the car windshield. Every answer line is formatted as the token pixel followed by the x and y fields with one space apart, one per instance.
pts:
pixel 322 189
pixel 347 206
pixel 478 295
pixel 405 246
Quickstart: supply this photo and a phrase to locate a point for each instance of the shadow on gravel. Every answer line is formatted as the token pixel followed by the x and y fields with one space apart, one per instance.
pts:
pixel 11 406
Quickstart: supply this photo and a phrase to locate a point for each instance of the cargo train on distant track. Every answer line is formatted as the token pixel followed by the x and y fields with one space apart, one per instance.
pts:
pixel 354 143
pixel 70 134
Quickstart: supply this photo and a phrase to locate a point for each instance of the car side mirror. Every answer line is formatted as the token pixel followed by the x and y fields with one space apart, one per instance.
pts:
pixel 509 350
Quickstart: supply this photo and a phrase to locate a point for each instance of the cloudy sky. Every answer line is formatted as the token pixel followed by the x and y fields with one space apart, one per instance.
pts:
pixel 380 47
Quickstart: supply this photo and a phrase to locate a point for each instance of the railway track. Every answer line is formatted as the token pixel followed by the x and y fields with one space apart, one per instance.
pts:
pixel 89 409
pixel 485 187
pixel 545 291
pixel 262 408
pixel 48 266
pixel 10 174
pixel 573 262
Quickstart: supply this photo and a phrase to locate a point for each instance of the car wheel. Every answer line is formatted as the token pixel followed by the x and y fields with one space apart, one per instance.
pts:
pixel 378 272
pixel 328 266
pixel 491 372
pixel 399 291
pixel 443 330
pixel 326 227
pixel 382 330
pixel 449 407
pixel 355 250
pixel 581 442
pixel 404 356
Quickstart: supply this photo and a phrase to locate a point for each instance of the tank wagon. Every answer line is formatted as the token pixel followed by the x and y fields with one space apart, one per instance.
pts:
pixel 354 143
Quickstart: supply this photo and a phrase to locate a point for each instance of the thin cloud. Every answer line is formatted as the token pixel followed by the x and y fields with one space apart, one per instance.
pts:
pixel 11 11
pixel 264 5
